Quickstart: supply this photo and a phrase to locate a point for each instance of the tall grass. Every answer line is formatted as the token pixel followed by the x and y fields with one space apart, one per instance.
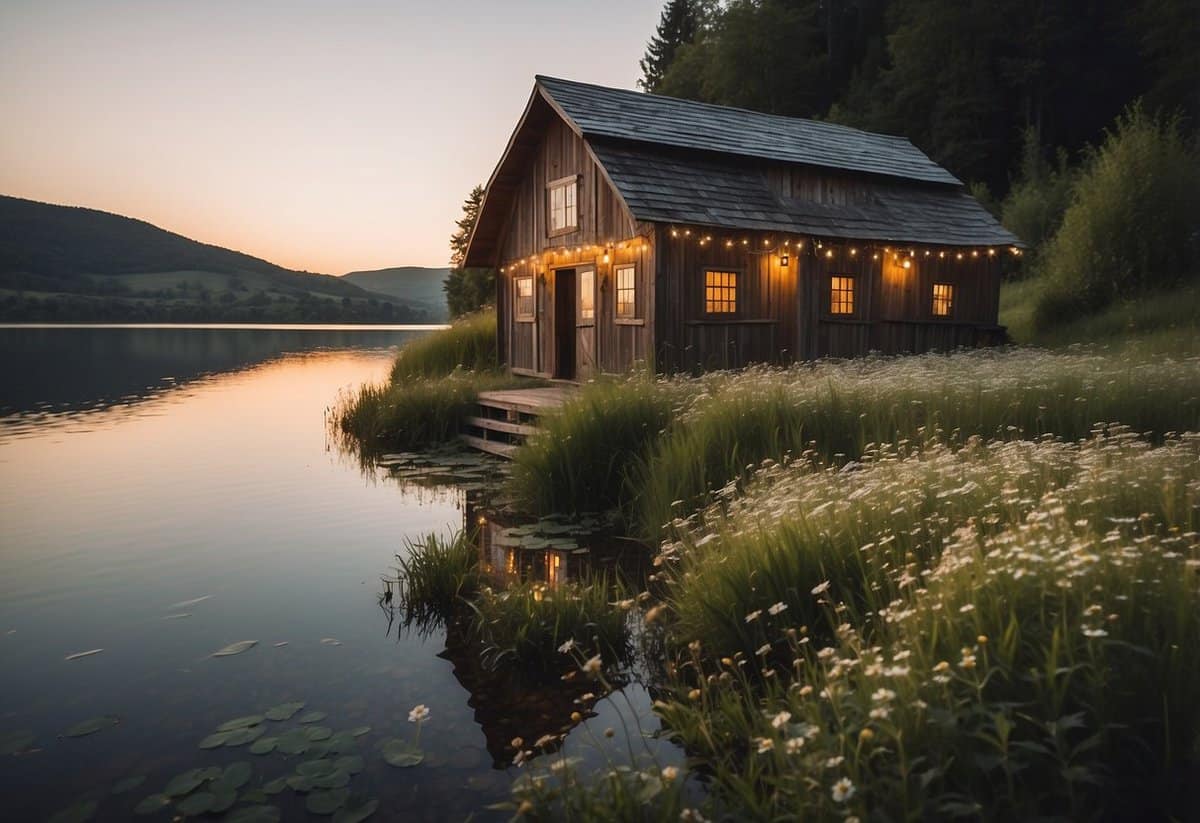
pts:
pixel 468 345
pixel 437 576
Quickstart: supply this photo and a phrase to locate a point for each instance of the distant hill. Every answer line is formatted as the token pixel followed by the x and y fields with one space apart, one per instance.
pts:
pixel 72 263
pixel 410 283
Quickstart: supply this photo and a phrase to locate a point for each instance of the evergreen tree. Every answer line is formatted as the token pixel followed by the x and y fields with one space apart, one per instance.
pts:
pixel 467 289
pixel 678 26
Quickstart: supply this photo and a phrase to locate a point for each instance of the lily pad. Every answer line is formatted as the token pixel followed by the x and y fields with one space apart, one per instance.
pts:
pixel 283 711
pixel 215 740
pixel 76 813
pixel 240 723
pixel 326 802
pixel 342 742
pixel 401 753
pixel 128 784
pixel 240 737
pixel 196 804
pixel 300 783
pixel 223 798
pixel 353 764
pixel 337 779
pixel 255 796
pixel 91 726
pixel 293 742
pixel 15 741
pixel 264 745
pixel 152 805
pixel 317 733
pixel 356 810
pixel 236 774
pixel 312 717
pixel 235 648
pixel 359 731
pixel 254 814
pixel 186 782
pixel 275 786
pixel 312 768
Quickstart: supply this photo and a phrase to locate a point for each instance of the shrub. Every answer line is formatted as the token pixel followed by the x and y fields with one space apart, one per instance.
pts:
pixel 1132 225
pixel 1038 199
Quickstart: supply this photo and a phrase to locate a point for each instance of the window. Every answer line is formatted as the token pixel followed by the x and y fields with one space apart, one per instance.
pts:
pixel 841 295
pixel 524 287
pixel 587 296
pixel 564 214
pixel 626 292
pixel 943 299
pixel 720 292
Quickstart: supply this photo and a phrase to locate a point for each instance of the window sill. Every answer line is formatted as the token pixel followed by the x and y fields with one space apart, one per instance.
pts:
pixel 560 232
pixel 629 321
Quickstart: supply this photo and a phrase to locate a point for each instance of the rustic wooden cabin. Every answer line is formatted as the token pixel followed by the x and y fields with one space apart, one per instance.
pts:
pixel 631 228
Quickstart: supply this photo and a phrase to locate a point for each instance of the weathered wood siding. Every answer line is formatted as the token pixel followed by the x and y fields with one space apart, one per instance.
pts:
pixel 603 225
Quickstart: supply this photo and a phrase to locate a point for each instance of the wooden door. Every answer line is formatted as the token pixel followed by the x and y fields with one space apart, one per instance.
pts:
pixel 564 324
pixel 585 323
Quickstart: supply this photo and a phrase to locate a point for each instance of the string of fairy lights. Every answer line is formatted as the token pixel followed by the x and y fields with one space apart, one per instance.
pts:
pixel 784 247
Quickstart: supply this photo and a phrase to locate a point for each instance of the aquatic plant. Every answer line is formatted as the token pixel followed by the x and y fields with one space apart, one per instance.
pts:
pixel 436 576
pixel 469 344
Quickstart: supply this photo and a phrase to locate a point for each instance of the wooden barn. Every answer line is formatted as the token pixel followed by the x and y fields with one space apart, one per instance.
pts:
pixel 630 228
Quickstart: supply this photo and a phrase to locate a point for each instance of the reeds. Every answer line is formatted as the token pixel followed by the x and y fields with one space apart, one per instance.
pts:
pixel 436 577
pixel 468 345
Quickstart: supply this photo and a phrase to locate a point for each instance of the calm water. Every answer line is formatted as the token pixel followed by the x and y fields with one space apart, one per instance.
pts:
pixel 144 468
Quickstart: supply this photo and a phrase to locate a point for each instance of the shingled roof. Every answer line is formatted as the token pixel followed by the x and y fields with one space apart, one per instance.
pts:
pixel 598 111
pixel 695 188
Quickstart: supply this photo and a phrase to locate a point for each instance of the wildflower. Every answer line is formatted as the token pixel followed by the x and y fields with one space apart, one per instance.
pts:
pixel 982 640
pixel 764 649
pixel 826 653
pixel 566 647
pixel 765 744
pixel 777 608
pixel 592 666
pixel 692 816
pixel 418 713
pixel 843 790
pixel 576 717
pixel 943 666
pixel 1095 633
pixel 521 757
pixel 694 694
pixel 968 661
pixel 794 745
pixel 525 808
pixel 970 607
pixel 517 742
pixel 821 588
pixel 694 647
pixel 610 731
pixel 866 735
pixel 883 696
pixel 780 720
pixel 834 762
pixel 669 773
pixel 558 765
pixel 624 605
pixel 754 615
pixel 805 691
pixel 544 740
pixel 727 661
pixel 880 713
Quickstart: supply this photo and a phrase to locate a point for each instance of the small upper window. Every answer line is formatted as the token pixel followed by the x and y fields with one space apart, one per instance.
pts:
pixel 720 292
pixel 841 295
pixel 524 286
pixel 943 299
pixel 564 214
pixel 626 292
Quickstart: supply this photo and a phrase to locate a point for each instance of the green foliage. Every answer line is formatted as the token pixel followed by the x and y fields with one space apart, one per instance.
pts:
pixel 468 290
pixel 437 576
pixel 1131 228
pixel 1039 197
pixel 579 458
pixel 469 344
pixel 678 25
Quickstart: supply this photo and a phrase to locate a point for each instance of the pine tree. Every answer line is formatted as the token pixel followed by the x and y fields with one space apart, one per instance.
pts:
pixel 467 289
pixel 678 25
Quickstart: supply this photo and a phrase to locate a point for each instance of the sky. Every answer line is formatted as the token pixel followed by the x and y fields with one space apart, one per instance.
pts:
pixel 324 136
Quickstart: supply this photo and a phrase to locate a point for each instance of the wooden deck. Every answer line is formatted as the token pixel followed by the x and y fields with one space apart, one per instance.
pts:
pixel 505 418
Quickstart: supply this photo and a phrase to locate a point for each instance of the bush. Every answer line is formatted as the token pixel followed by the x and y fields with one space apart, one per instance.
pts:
pixel 468 345
pixel 1132 226
pixel 1038 199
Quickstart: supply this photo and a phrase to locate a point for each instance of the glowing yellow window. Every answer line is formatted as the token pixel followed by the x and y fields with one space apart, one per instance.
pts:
pixel 626 292
pixel 720 292
pixel 943 299
pixel 841 295
pixel 524 286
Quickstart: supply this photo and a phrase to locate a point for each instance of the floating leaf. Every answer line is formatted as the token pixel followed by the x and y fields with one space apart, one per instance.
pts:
pixel 186 782
pixel 283 711
pixel 356 810
pixel 315 733
pixel 342 742
pixel 255 796
pixel 216 740
pixel 275 786
pixel 240 737
pixel 15 741
pixel 359 731
pixel 353 764
pixel 91 726
pixel 240 723
pixel 326 802
pixel 196 804
pixel 235 648
pixel 236 774
pixel 210 772
pixel 264 745
pixel 300 783
pixel 401 753
pixel 224 797
pixel 77 813
pixel 293 742
pixel 312 717
pixel 128 784
pixel 78 655
pixel 333 780
pixel 153 804
pixel 312 768
pixel 254 814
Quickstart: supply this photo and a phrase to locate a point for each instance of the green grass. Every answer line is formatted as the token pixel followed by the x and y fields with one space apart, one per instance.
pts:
pixel 468 345
pixel 436 577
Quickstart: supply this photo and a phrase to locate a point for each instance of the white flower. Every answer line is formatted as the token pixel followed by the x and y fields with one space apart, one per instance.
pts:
pixel 592 666
pixel 777 608
pixel 566 647
pixel 763 650
pixel 821 588
pixel 794 745
pixel 418 713
pixel 780 720
pixel 1095 633
pixel 843 790
pixel 765 744
pixel 669 773
pixel 692 816
pixel 880 713
pixel 970 607
pixel 883 696
pixel 834 762
pixel 754 615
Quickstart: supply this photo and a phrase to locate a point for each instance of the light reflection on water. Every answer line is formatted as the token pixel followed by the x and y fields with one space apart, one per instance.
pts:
pixel 143 468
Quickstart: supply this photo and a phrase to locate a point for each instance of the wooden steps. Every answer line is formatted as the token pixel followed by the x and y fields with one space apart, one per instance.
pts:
pixel 504 419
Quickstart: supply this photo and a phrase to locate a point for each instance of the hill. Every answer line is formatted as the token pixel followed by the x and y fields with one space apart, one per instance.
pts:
pixel 418 284
pixel 73 263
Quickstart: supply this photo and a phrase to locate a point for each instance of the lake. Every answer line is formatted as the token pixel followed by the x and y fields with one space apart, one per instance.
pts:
pixel 167 492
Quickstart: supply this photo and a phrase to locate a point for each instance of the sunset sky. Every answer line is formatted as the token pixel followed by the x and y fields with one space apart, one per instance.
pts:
pixel 328 136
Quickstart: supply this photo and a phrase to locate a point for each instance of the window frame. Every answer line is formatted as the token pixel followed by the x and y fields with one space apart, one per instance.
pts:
pixel 634 316
pixel 949 300
pixel 736 286
pixel 853 296
pixel 568 183
pixel 518 314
